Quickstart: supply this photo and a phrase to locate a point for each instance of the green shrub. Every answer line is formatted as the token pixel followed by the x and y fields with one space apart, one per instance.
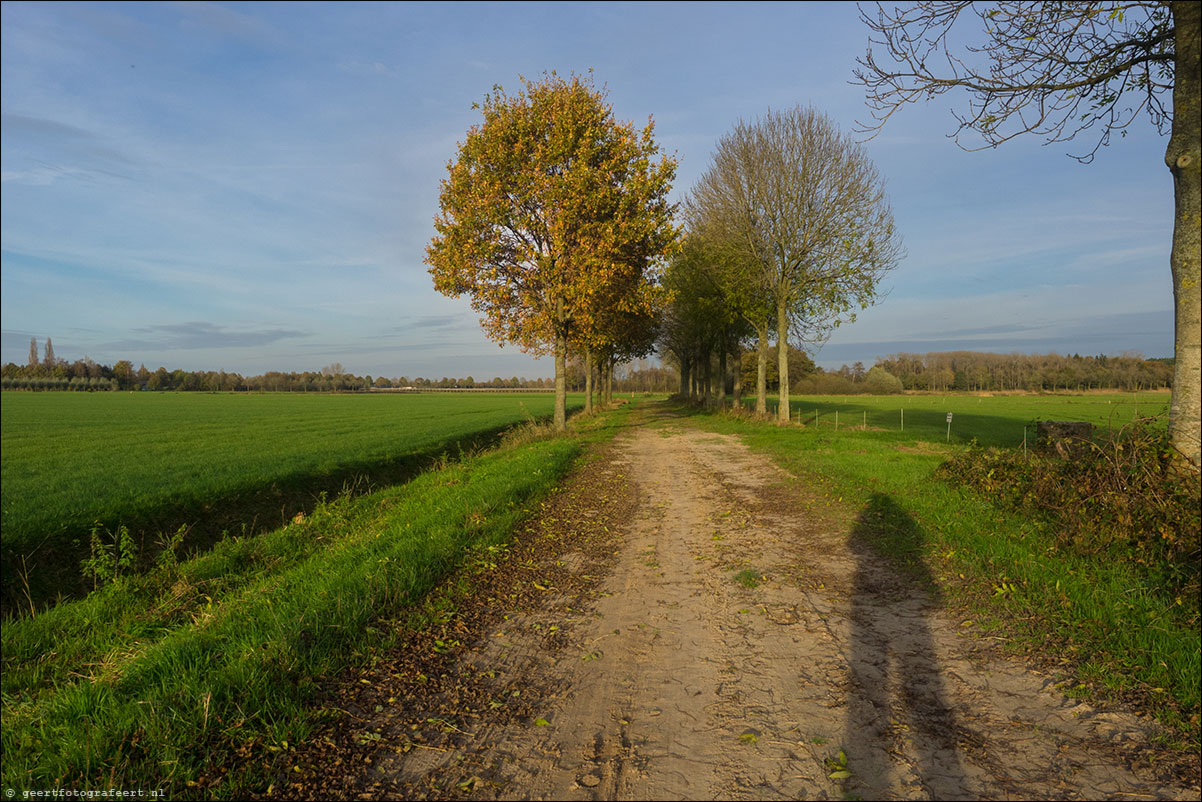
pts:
pixel 881 382
pixel 1122 498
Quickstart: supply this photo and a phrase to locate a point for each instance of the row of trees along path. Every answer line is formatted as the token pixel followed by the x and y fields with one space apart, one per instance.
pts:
pixel 789 231
pixel 554 217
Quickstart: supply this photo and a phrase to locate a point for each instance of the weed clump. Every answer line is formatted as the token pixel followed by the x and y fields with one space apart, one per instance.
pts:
pixel 532 431
pixel 1122 498
pixel 748 578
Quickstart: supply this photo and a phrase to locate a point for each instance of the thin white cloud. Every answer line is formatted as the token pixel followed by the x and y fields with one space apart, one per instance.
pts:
pixel 224 21
pixel 374 69
pixel 198 335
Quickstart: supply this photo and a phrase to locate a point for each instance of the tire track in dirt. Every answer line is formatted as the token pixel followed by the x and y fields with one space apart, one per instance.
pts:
pixel 685 683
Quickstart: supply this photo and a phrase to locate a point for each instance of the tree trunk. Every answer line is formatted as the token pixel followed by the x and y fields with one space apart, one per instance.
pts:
pixel 609 380
pixel 782 360
pixel 561 381
pixel 588 381
pixel 1184 160
pixel 761 374
pixel 722 376
pixel 736 386
pixel 602 366
pixel 684 376
pixel 695 387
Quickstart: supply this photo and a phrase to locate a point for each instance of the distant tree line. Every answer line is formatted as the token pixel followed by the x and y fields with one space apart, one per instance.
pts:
pixel 937 372
pixel 49 372
pixel 952 371
pixel 969 370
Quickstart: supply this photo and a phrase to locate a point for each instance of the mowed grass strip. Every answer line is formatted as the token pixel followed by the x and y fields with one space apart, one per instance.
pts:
pixel 162 680
pixel 155 461
pixel 1106 622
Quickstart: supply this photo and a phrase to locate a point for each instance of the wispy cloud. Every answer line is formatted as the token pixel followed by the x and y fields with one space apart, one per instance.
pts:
pixel 17 341
pixel 427 323
pixel 47 151
pixel 1026 329
pixel 22 125
pixel 225 21
pixel 1109 333
pixel 375 68
pixel 188 336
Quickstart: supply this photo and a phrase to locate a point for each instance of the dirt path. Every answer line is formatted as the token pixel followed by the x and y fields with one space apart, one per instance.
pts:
pixel 737 647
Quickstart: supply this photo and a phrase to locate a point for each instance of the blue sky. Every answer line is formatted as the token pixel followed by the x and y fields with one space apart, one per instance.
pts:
pixel 251 187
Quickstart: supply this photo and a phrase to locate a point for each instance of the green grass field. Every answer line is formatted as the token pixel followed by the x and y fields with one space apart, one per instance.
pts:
pixel 154 461
pixel 990 420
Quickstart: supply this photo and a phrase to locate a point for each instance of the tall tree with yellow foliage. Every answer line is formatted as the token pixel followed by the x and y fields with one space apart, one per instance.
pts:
pixel 550 208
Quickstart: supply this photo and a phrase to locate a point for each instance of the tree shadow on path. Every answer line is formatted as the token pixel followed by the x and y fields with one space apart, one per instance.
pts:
pixel 900 734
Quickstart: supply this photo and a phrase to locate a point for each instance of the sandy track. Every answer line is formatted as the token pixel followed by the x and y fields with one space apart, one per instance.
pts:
pixel 683 683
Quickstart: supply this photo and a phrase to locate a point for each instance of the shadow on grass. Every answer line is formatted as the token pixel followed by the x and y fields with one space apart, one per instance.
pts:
pixel 899 727
pixel 52 572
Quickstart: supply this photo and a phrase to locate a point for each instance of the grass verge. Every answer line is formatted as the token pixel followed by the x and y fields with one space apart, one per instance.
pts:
pixel 1105 624
pixel 156 681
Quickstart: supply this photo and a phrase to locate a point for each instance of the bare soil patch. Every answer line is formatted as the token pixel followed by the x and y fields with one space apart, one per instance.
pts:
pixel 684 620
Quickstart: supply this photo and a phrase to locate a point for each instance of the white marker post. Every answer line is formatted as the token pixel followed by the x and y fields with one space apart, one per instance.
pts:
pixel 949 427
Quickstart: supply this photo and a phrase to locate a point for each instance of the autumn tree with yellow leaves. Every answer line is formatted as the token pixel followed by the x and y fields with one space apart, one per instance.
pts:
pixel 553 215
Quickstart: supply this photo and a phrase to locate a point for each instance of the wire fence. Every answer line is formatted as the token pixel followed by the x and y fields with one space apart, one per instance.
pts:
pixel 1002 421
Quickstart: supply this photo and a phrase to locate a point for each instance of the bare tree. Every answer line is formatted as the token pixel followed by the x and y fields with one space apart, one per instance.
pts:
pixel 1059 70
pixel 805 207
pixel 33 352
